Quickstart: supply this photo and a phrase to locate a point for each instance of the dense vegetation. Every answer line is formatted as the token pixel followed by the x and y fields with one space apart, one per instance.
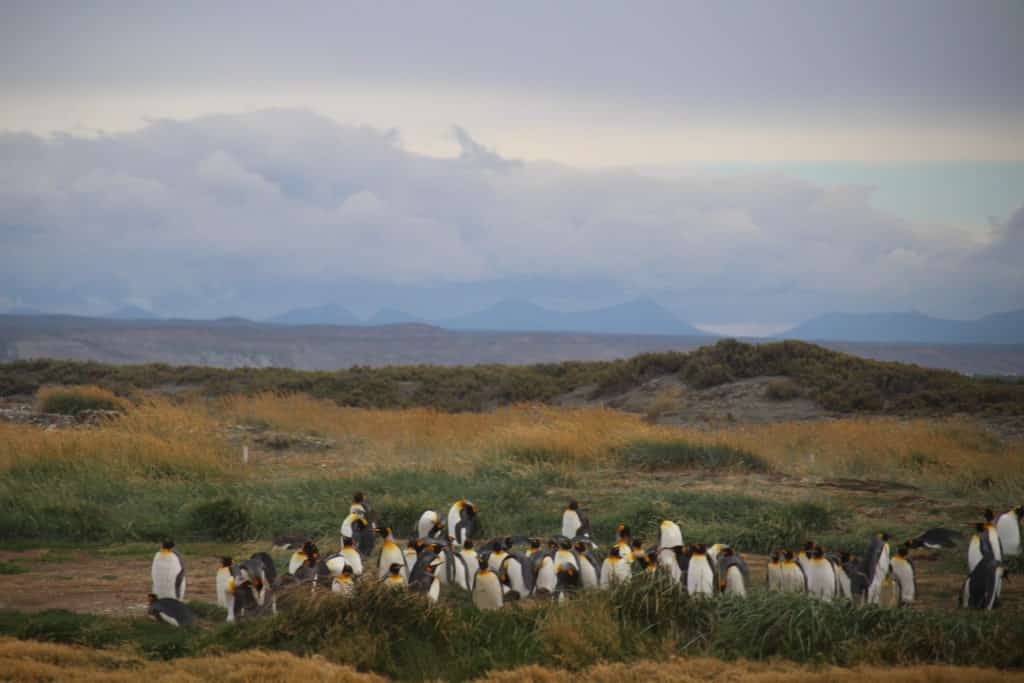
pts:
pixel 840 382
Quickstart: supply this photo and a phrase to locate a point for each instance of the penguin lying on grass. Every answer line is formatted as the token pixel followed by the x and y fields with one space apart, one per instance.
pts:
pixel 171 611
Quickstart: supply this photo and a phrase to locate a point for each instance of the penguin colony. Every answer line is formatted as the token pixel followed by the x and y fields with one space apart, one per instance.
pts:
pixel 442 555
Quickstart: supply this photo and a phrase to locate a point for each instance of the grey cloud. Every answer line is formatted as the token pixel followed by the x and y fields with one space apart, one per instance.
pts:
pixel 208 208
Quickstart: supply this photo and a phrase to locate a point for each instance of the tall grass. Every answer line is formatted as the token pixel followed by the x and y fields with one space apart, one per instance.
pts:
pixel 74 400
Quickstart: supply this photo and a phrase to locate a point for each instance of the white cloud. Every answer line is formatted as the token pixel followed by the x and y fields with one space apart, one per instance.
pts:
pixel 289 197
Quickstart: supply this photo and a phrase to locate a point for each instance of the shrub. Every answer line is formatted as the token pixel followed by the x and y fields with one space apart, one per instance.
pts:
pixel 657 455
pixel 223 520
pixel 782 390
pixel 75 400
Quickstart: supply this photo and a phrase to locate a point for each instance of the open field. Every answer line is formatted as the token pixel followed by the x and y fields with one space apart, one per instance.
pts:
pixel 81 510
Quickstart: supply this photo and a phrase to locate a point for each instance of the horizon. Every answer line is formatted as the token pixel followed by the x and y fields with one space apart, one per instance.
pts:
pixel 856 158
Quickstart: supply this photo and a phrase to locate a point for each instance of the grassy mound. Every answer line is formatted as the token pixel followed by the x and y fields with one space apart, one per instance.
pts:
pixel 76 400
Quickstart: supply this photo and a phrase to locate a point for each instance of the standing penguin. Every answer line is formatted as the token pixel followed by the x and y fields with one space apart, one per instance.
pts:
pixel 1008 527
pixel 487 590
pixel 903 573
pixel 299 557
pixel 614 570
pixel 733 573
pixel 792 574
pixel 821 576
pixel 979 547
pixel 518 573
pixel 390 555
pixel 843 584
pixel 393 577
pixel 168 572
pixel 775 571
pixel 993 534
pixel 223 581
pixel 700 573
pixel 462 521
pixel 669 535
pixel 624 541
pixel 982 586
pixel 547 579
pixel 668 560
pixel 361 506
pixel 496 556
pixel 574 522
pixel 352 557
pixel 170 611
pixel 567 582
pixel 876 567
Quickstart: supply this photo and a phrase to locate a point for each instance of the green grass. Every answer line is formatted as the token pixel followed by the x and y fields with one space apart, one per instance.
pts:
pixel 11 568
pixel 658 455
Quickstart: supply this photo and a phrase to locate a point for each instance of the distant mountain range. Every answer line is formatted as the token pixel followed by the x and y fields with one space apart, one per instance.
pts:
pixel 998 328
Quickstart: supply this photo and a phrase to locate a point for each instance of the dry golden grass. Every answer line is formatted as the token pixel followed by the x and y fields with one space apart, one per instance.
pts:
pixel 40 662
pixel 155 433
pixel 929 451
pixel 86 393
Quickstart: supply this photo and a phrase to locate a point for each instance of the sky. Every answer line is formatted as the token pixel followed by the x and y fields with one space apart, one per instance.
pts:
pixel 747 164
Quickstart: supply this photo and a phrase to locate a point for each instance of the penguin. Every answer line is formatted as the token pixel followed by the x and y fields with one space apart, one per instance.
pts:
pixel 876 567
pixel 425 527
pixel 668 561
pixel 361 506
pixel 982 586
pixel 496 556
pixel 299 557
pixel 547 579
pixel 487 590
pixel 733 573
pixel 289 541
pixel 264 566
pixel 332 566
pixel 393 577
pixel 565 555
pixel 843 584
pixel 1008 528
pixel 821 576
pixel 344 583
pixel 637 551
pixel 223 580
pixel 854 569
pixel 775 571
pixel 171 611
pixel 469 553
pixel 902 569
pixel 433 591
pixel 590 568
pixel 454 569
pixel 647 563
pixel 935 539
pixel 803 558
pixel 168 572
pixel 993 534
pixel 305 573
pixel 623 541
pixel 421 576
pixel 567 581
pixel 462 521
pixel 518 573
pixel 390 555
pixel 413 548
pixel 979 547
pixel 352 557
pixel 534 547
pixel 614 570
pixel 363 536
pixel 714 550
pixel 792 574
pixel 700 573
pixel 669 535
pixel 574 522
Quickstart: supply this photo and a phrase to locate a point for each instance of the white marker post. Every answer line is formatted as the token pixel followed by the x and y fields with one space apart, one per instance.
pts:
pixel 245 455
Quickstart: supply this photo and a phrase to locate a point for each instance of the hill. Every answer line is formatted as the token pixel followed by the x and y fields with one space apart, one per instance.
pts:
pixel 999 328
pixel 329 314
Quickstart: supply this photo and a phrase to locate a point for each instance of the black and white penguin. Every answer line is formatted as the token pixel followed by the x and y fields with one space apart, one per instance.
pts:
pixel 566 556
pixel 668 562
pixel 454 569
pixel 902 569
pixel 352 557
pixel 624 542
pixel 487 589
pixel 574 521
pixel 775 571
pixel 935 539
pixel 979 547
pixel 364 536
pixel 821 576
pixel 170 611
pixel 876 567
pixel 361 506
pixel 223 581
pixel 547 578
pixel 344 583
pixel 669 535
pixel 843 584
pixel 428 522
pixel 168 572
pixel 700 573
pixel 567 581
pixel 390 554
pixel 614 569
pixel 982 586
pixel 393 576
pixel 299 557
pixel 993 534
pixel 803 558
pixel 517 573
pixel 590 567
pixel 733 573
pixel 496 555
pixel 1008 526
pixel 462 521
pixel 792 574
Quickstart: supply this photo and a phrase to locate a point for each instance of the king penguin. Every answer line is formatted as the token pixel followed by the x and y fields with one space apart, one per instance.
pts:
pixel 170 611
pixel 733 573
pixel 168 572
pixel 993 534
pixel 902 569
pixel 615 569
pixel 775 571
pixel 344 583
pixel 979 547
pixel 352 557
pixel 390 555
pixel 393 577
pixel 700 573
pixel 299 557
pixel 487 590
pixel 462 522
pixel 821 576
pixel 1008 527
pixel 982 586
pixel 223 581
pixel 669 535
pixel 574 522
pixel 792 574
pixel 876 567
pixel 429 520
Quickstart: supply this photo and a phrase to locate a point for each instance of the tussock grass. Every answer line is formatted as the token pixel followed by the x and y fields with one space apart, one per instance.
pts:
pixel 666 455
pixel 74 400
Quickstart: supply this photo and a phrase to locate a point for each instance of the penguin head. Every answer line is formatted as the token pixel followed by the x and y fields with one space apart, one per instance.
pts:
pixel 437 529
pixel 468 545
pixel 818 553
pixel 1019 511
pixel 384 531
pixel 699 548
pixel 497 546
pixel 167 544
pixel 580 546
pixel 728 552
pixel 225 561
pixel 573 505
pixel 346 542
pixel 395 569
pixel 989 514
pixel 151 598
pixel 535 543
pixel 482 561
pixel 845 556
pixel 809 546
pixel 358 497
pixel 903 551
pixel 347 571
pixel 622 531
pixel 774 557
pixel 787 555
pixel 565 544
pixel 979 527
pixel 884 536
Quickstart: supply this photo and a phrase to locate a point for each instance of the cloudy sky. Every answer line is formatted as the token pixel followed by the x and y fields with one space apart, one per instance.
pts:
pixel 747 164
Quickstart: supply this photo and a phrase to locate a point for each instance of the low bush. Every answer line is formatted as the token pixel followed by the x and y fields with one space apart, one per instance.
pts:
pixel 662 455
pixel 782 390
pixel 75 400
pixel 223 519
